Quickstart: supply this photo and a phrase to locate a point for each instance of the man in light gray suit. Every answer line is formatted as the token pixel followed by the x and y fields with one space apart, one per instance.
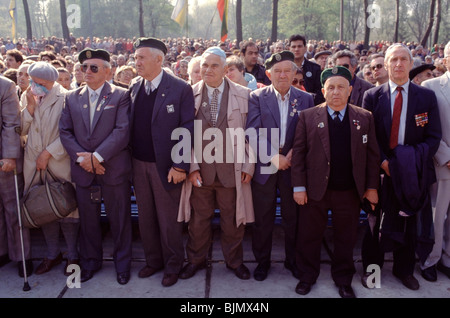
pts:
pixel 11 157
pixel 441 190
pixel 94 129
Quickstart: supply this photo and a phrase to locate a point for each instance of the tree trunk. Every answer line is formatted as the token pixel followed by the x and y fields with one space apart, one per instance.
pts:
pixel 141 19
pixel 397 19
pixel 28 19
pixel 367 29
pixel 239 21
pixel 438 22
pixel 65 28
pixel 430 24
pixel 274 35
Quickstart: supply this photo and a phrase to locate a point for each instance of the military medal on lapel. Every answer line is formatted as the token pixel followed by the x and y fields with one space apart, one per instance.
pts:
pixel 101 103
pixel 421 119
pixel 356 123
pixel 294 108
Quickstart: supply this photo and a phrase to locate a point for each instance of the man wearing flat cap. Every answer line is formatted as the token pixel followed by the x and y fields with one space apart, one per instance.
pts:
pixel 94 129
pixel 335 165
pixel 161 104
pixel 421 73
pixel 273 113
pixel 221 174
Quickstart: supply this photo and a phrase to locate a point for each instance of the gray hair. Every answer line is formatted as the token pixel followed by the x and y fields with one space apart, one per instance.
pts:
pixel 393 47
pixel 447 49
pixel 294 67
pixel 346 53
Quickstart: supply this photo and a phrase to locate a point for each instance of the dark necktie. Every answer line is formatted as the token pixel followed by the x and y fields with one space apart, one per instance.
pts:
pixel 393 141
pixel 214 105
pixel 336 117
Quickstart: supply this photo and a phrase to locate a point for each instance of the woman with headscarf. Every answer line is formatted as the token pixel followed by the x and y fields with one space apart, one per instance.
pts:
pixel 43 150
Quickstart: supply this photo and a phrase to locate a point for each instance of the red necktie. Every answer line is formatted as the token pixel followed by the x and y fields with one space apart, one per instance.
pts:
pixel 396 118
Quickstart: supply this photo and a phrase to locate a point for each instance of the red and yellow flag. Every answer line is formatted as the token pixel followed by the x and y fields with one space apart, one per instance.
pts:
pixel 222 6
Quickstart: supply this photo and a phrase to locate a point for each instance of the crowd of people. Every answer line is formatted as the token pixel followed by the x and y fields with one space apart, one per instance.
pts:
pixel 328 126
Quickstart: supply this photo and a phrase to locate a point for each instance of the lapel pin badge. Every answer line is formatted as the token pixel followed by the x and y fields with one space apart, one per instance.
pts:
pixel 170 108
pixel 204 104
pixel 364 137
pixel 321 125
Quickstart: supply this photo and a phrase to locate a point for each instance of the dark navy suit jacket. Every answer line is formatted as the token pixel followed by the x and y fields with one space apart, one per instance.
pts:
pixel 174 108
pixel 420 101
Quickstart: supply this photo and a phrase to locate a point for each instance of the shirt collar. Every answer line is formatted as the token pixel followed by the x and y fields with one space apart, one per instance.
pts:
pixel 221 87
pixel 279 97
pixel 98 90
pixel 393 86
pixel 156 81
pixel 342 111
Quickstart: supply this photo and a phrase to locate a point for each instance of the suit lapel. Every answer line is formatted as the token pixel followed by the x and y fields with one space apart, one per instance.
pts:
pixel 384 102
pixel 271 103
pixel 102 101
pixel 163 90
pixel 84 104
pixel 322 127
pixel 355 137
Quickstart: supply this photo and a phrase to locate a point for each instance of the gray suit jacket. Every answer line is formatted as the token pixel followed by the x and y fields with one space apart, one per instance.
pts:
pixel 108 136
pixel 10 120
pixel 441 87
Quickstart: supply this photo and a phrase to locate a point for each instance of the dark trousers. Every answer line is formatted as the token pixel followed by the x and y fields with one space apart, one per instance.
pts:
pixel 264 203
pixel 160 232
pixel 203 201
pixel 312 223
pixel 370 248
pixel 118 210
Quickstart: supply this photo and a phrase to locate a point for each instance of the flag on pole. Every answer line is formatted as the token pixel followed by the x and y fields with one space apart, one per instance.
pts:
pixel 222 7
pixel 180 11
pixel 12 14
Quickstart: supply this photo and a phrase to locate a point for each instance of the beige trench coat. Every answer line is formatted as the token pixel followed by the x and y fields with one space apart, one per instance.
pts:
pixel 237 116
pixel 42 131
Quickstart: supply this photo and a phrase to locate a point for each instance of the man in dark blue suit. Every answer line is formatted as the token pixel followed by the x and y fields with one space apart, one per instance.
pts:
pixel 94 129
pixel 273 113
pixel 161 104
pixel 406 115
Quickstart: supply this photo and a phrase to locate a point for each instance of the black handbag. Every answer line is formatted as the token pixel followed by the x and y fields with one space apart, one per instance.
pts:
pixel 48 201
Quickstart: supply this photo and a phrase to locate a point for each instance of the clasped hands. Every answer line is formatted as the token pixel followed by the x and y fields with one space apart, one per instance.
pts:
pixel 90 163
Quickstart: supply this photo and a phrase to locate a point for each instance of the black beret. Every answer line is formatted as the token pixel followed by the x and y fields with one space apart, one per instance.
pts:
pixel 87 54
pixel 279 57
pixel 419 69
pixel 335 71
pixel 150 42
pixel 322 53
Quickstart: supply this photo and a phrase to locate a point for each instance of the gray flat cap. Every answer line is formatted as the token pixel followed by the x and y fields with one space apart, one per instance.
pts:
pixel 43 70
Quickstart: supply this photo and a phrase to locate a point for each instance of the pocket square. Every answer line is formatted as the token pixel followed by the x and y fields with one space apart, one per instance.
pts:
pixel 110 107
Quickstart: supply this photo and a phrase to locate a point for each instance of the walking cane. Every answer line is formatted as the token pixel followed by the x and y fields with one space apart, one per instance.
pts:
pixel 26 286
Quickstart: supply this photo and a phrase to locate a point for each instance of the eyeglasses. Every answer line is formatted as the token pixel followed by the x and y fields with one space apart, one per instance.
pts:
pixel 296 81
pixel 84 68
pixel 368 73
pixel 376 67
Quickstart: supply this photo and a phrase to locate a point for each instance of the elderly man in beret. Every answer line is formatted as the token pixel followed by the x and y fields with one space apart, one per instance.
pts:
pixel 94 129
pixel 221 175
pixel 161 104
pixel 273 113
pixel 41 111
pixel 335 165
pixel 421 73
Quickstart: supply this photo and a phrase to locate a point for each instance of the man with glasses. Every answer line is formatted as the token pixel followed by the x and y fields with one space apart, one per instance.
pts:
pixel 379 72
pixel 94 129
